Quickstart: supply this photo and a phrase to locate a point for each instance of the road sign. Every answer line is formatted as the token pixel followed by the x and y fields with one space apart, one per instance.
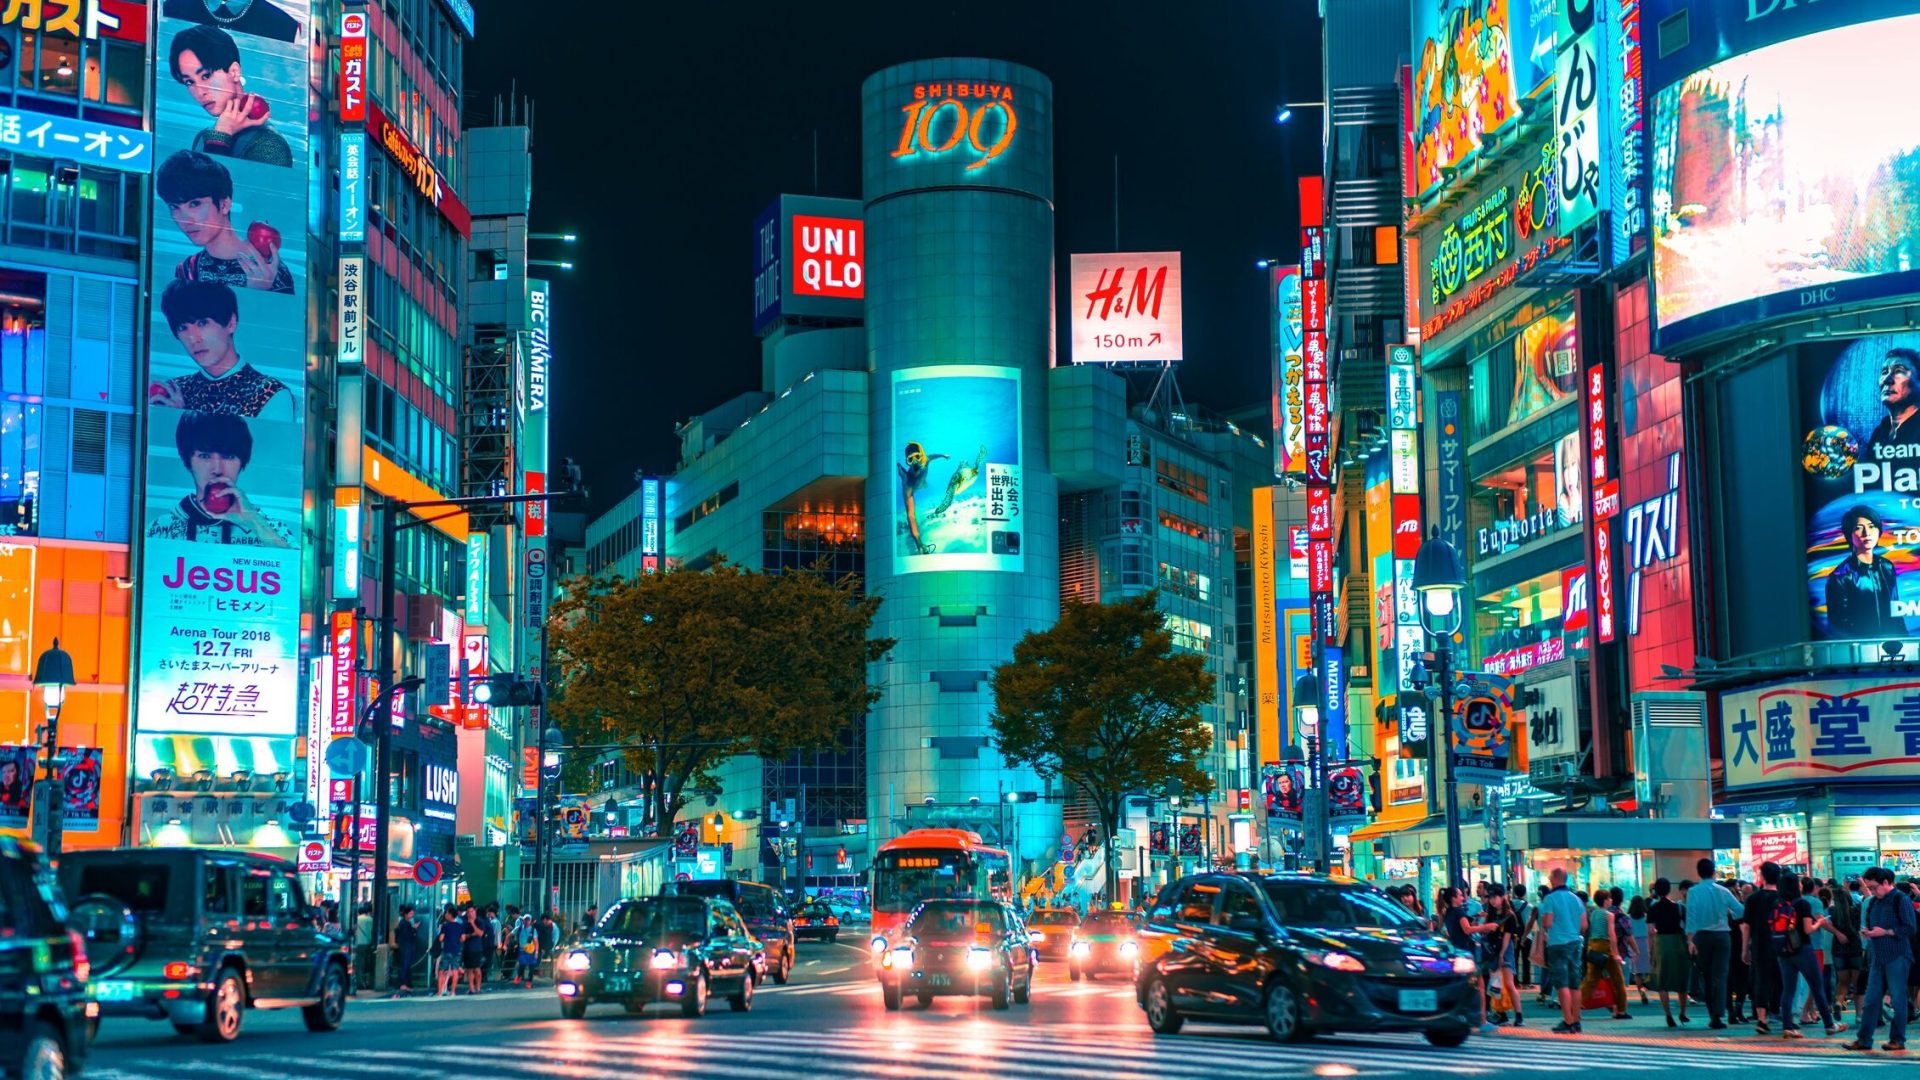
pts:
pixel 427 870
pixel 1489 857
pixel 315 857
pixel 346 757
pixel 300 813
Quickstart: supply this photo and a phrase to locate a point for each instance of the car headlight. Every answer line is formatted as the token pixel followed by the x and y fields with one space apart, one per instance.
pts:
pixel 578 961
pixel 878 944
pixel 979 959
pixel 664 958
pixel 1464 965
pixel 898 957
pixel 1337 961
pixel 1079 948
pixel 1129 949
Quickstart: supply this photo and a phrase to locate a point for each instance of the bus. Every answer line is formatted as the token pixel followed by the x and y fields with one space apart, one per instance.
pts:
pixel 925 864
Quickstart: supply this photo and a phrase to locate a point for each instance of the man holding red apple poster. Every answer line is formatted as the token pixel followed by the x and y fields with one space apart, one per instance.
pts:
pixel 198 192
pixel 204 317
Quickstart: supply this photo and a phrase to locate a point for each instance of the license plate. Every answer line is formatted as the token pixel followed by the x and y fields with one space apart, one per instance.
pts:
pixel 111 990
pixel 939 980
pixel 1419 1001
pixel 615 984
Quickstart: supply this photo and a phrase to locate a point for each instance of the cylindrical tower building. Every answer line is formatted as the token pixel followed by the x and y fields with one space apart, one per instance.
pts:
pixel 963 537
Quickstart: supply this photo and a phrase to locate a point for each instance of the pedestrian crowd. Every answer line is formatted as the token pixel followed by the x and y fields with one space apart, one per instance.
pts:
pixel 1779 952
pixel 467 949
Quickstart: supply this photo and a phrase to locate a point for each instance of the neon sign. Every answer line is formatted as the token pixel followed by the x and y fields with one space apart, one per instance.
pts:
pixel 425 177
pixel 939 121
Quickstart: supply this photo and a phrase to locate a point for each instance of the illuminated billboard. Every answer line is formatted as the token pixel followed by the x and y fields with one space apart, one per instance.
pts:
pixel 1820 730
pixel 226 387
pixel 957 495
pixel 1860 461
pixel 1126 307
pixel 1290 410
pixel 1779 189
pixel 809 260
pixel 956 123
pixel 1474 62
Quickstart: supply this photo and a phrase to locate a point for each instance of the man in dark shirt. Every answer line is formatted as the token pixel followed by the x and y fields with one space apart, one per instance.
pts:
pixel 205 60
pixel 198 192
pixel 1888 927
pixel 1756 929
pixel 1862 589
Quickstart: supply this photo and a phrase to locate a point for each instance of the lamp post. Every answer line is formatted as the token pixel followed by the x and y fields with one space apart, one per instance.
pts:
pixel 52 673
pixel 1307 689
pixel 1438 579
pixel 542 840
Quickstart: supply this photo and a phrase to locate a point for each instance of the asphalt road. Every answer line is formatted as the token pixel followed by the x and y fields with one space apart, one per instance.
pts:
pixel 829 1022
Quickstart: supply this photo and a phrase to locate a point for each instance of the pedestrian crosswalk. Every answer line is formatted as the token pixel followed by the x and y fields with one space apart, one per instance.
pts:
pixel 911 1046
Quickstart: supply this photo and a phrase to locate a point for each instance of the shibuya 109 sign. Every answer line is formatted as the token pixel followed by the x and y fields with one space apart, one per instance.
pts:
pixel 975 119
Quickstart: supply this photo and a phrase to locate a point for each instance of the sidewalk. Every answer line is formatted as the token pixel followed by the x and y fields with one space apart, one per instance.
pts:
pixel 1649 1026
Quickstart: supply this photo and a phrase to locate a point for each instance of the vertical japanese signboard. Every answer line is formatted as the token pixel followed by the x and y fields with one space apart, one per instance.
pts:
pixel 353 67
pixel 1580 174
pixel 1628 154
pixel 1605 489
pixel 650 512
pixel 474 609
pixel 1266 630
pixel 226 384
pixel 343 656
pixel 1289 403
pixel 533 462
pixel 1403 448
pixel 353 187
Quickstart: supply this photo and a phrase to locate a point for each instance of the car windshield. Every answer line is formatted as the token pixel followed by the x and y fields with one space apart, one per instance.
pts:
pixel 1053 918
pixel 651 919
pixel 949 922
pixel 1330 906
pixel 817 911
pixel 1107 922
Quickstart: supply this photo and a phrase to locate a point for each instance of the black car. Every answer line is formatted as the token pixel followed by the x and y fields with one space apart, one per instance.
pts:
pixel 679 949
pixel 964 948
pixel 1300 953
pixel 765 914
pixel 197 936
pixel 44 1011
pixel 818 921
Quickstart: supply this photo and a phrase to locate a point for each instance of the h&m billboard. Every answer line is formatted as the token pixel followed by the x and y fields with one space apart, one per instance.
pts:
pixel 220 624
pixel 1126 307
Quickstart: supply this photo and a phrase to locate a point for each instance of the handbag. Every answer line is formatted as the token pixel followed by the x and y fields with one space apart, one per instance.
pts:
pixel 1599 996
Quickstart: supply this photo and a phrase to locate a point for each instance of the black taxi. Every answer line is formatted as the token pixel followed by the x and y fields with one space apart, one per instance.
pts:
pixel 959 948
pixel 675 949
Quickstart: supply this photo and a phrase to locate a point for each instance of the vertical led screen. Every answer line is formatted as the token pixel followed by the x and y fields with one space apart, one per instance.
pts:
pixel 226 383
pixel 1475 61
pixel 1779 189
pixel 957 495
pixel 1659 586
pixel 1860 462
pixel 1290 417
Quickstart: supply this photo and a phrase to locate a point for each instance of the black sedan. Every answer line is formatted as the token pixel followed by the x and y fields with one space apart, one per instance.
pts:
pixel 817 921
pixel 963 948
pixel 677 949
pixel 1299 953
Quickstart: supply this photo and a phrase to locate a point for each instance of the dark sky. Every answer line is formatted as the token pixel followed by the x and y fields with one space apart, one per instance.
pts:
pixel 660 132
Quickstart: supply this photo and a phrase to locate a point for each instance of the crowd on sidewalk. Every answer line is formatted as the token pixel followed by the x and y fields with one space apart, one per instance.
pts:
pixel 467 949
pixel 1783 950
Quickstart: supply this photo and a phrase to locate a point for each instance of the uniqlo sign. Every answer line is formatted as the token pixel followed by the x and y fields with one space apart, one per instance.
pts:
pixel 341 707
pixel 829 256
pixel 353 67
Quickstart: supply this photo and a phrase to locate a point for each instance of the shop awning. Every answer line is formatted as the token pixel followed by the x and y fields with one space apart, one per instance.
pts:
pixel 1379 829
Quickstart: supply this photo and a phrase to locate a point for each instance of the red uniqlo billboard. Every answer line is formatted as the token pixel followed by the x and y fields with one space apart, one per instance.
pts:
pixel 829 256
pixel 353 67
pixel 344 654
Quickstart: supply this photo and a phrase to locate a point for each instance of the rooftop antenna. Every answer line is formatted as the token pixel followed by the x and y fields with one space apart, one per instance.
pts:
pixel 816 161
pixel 1116 202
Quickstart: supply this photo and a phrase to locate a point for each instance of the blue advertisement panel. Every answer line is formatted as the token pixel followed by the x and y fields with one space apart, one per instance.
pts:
pixel 220 621
pixel 1333 686
pixel 1777 190
pixel 957 493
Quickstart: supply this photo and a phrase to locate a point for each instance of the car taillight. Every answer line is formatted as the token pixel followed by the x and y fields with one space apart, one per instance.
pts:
pixel 831 921
pixel 178 970
pixel 82 970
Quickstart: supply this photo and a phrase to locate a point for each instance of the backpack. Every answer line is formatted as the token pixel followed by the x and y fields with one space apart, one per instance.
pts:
pixel 1788 938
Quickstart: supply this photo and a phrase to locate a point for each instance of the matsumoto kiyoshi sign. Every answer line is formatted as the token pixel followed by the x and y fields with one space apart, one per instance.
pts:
pixel 1823 730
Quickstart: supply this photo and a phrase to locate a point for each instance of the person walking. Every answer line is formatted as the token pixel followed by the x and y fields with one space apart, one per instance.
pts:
pixel 1500 930
pixel 473 948
pixel 406 950
pixel 451 938
pixel 526 941
pixel 1763 963
pixel 1669 971
pixel 363 946
pixel 1563 921
pixel 1642 947
pixel 1708 926
pixel 1522 960
pixel 1608 943
pixel 1887 924
pixel 1793 925
pixel 549 938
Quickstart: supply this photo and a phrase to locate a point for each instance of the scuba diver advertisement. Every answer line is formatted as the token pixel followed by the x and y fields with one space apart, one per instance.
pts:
pixel 957 495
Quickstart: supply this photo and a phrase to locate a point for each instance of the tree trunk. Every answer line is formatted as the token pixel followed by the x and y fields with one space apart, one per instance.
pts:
pixel 1109 817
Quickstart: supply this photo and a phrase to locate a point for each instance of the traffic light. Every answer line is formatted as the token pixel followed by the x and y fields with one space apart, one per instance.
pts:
pixel 1374 800
pixel 508 690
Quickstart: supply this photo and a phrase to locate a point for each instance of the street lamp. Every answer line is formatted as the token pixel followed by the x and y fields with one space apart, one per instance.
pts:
pixel 543 843
pixel 1438 579
pixel 52 673
pixel 1307 690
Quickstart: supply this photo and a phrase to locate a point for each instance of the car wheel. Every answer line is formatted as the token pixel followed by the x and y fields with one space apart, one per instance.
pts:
pixel 1002 994
pixel 831 938
pixel 224 1009
pixel 326 1014
pixel 1283 1014
pixel 694 1001
pixel 890 997
pixel 45 1057
pixel 926 1000
pixel 785 969
pixel 1452 1036
pixel 1162 1017
pixel 1024 991
pixel 1073 974
pixel 573 1008
pixel 743 1000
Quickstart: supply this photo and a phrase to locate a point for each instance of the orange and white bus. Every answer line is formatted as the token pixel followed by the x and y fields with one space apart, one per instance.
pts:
pixel 926 864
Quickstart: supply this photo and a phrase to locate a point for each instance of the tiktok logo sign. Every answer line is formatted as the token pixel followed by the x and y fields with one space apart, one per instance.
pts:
pixel 1652 537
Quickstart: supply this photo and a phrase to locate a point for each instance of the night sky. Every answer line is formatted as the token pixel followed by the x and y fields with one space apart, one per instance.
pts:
pixel 660 132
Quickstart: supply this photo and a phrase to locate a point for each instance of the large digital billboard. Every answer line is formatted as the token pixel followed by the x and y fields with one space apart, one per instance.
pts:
pixel 1860 461
pixel 1126 307
pixel 1474 62
pixel 226 383
pixel 1780 189
pixel 957 496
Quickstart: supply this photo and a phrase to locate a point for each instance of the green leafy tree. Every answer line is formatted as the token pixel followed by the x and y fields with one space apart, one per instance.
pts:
pixel 1104 701
pixel 687 668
